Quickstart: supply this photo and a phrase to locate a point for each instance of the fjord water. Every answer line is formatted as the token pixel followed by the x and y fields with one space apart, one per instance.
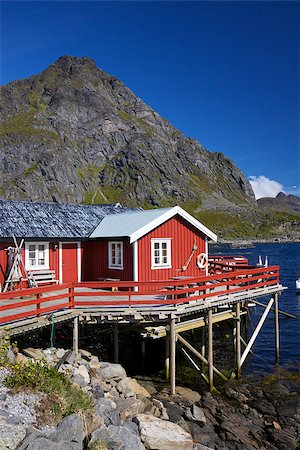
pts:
pixel 287 256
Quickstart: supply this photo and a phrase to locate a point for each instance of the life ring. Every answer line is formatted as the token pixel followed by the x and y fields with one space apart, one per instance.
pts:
pixel 202 261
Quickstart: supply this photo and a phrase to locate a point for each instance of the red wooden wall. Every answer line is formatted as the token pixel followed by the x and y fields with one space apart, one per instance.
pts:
pixel 53 258
pixel 182 236
pixel 95 261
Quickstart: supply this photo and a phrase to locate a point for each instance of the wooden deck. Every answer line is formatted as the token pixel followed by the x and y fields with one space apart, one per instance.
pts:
pixel 135 302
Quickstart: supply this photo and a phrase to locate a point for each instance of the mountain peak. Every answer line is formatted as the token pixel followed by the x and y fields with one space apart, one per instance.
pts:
pixel 77 134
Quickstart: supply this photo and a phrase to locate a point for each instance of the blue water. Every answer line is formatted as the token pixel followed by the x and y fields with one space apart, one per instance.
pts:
pixel 287 256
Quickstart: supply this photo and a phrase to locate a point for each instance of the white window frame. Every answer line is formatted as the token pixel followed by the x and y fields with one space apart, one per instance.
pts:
pixel 112 265
pixel 161 265
pixel 28 266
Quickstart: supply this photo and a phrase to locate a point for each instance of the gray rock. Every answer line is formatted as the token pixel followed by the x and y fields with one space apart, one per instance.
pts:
pixel 31 435
pixel 81 376
pixel 188 394
pixel 110 371
pixel 130 387
pixel 196 414
pixel 129 407
pixel 69 429
pixel 162 435
pixel 42 443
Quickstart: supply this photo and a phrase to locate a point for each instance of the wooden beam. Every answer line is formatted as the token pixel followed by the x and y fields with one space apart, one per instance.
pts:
pixel 277 338
pixel 256 331
pixel 291 316
pixel 193 350
pixel 172 356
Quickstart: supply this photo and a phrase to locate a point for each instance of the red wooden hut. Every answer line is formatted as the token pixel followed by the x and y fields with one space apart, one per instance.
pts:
pixel 88 243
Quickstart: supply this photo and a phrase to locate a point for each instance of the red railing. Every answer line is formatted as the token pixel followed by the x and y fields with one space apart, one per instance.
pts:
pixel 221 263
pixel 50 299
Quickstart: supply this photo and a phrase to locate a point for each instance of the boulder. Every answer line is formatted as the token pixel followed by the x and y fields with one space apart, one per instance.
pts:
pixel 188 394
pixel 69 429
pixel 81 376
pixel 130 407
pixel 31 435
pixel 130 387
pixel 160 434
pixel 85 354
pixel 94 363
pixel 118 437
pixel 196 415
pixel 110 371
pixel 42 443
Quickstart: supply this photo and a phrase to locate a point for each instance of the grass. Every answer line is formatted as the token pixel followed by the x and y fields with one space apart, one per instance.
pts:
pixel 30 170
pixel 88 172
pixel 62 397
pixel 24 124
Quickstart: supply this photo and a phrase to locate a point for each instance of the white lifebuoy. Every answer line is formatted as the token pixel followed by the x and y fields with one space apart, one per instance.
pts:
pixel 202 261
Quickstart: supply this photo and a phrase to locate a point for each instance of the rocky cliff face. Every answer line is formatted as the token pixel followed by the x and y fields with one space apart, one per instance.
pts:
pixel 76 134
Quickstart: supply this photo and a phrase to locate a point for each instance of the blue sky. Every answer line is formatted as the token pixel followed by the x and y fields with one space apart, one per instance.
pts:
pixel 225 73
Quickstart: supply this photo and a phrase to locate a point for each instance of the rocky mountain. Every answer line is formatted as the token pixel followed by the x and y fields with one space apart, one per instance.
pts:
pixel 76 134
pixel 282 202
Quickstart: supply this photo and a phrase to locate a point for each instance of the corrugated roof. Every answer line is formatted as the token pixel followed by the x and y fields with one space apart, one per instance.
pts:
pixel 52 220
pixel 126 225
pixel 138 223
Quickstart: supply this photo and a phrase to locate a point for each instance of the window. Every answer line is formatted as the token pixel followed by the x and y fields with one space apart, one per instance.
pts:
pixel 161 253
pixel 37 255
pixel 115 255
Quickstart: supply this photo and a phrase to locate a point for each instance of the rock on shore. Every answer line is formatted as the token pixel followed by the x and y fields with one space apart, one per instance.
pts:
pixel 129 415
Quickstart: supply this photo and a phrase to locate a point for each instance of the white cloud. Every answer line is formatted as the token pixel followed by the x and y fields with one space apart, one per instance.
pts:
pixel 264 187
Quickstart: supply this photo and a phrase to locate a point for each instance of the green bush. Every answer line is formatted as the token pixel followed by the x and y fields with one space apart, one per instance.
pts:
pixel 66 398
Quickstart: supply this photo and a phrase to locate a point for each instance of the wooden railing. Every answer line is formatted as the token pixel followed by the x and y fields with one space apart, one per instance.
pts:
pixel 34 302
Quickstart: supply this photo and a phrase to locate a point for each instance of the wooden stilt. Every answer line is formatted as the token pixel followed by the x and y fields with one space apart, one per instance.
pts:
pixel 277 338
pixel 116 342
pixel 202 346
pixel 143 350
pixel 75 335
pixel 210 351
pixel 167 357
pixel 172 356
pixel 238 339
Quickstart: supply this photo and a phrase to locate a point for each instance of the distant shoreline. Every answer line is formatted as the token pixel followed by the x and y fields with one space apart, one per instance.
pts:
pixel 248 241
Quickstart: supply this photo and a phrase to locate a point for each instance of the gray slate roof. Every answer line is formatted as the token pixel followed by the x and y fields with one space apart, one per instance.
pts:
pixel 52 220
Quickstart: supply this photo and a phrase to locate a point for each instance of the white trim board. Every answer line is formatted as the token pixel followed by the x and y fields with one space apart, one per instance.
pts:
pixel 168 215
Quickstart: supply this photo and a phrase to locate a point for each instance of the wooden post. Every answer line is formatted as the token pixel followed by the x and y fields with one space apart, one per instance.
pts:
pixel 75 335
pixel 276 319
pixel 143 350
pixel 202 346
pixel 238 339
pixel 116 342
pixel 172 356
pixel 210 351
pixel 167 357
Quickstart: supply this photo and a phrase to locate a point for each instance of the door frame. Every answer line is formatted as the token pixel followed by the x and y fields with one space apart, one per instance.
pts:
pixel 60 250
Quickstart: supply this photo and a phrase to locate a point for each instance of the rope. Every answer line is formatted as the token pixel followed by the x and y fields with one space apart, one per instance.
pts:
pixel 52 333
